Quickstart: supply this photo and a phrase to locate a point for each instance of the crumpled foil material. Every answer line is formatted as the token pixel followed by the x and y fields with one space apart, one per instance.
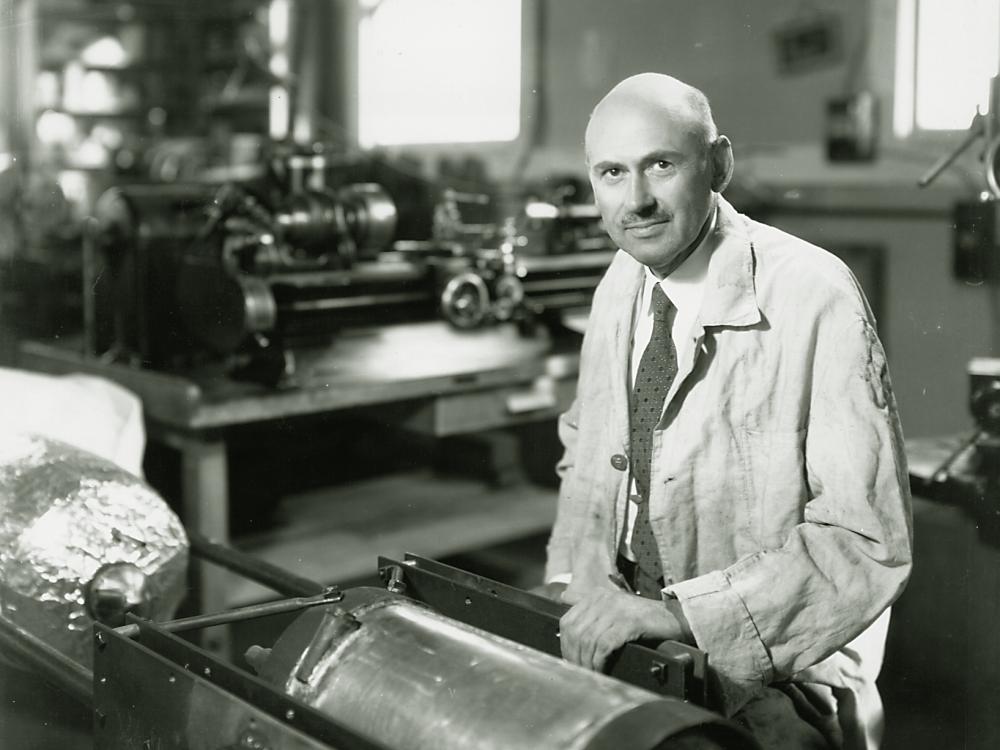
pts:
pixel 65 516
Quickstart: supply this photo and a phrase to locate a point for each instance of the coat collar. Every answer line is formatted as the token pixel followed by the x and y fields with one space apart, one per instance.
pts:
pixel 628 288
pixel 730 298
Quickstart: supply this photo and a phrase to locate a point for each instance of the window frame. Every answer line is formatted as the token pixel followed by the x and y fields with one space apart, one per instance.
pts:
pixel 885 45
pixel 493 151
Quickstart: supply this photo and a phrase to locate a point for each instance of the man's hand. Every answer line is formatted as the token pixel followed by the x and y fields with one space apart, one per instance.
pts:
pixel 599 622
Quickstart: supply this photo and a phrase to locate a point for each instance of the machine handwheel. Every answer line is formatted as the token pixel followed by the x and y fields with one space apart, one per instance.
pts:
pixel 510 294
pixel 465 300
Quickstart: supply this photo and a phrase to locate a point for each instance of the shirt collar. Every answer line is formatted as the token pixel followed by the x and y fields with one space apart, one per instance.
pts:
pixel 685 286
pixel 728 295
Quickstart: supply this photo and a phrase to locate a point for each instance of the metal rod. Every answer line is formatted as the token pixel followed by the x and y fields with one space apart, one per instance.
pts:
pixel 238 615
pixel 976 129
pixel 361 300
pixel 583 283
pixel 50 664
pixel 251 567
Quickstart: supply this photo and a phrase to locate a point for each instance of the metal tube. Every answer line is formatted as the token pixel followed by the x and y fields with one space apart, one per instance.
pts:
pixel 362 300
pixel 24 648
pixel 976 129
pixel 397 672
pixel 255 569
pixel 238 615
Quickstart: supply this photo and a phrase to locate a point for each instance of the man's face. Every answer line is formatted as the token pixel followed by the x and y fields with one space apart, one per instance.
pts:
pixel 652 175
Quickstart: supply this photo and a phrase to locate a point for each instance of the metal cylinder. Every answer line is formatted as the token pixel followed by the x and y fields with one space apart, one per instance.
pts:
pixel 81 539
pixel 412 679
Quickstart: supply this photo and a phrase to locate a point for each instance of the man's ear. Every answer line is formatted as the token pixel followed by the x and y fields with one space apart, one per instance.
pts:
pixel 722 163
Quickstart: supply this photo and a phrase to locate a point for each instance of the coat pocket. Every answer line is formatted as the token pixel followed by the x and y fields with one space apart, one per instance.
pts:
pixel 776 484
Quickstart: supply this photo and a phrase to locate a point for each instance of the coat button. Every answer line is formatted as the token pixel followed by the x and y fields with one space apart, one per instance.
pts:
pixel 619 461
pixel 636 498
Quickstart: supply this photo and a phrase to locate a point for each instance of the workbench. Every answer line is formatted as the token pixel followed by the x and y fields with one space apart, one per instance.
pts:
pixel 425 377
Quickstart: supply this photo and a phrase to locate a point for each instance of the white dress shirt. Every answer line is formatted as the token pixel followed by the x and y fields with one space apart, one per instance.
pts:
pixel 684 288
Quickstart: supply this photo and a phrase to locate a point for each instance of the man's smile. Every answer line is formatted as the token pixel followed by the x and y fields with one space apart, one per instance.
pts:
pixel 646 228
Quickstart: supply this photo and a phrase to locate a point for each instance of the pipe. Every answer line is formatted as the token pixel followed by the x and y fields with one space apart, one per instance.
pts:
pixel 240 614
pixel 251 567
pixel 409 678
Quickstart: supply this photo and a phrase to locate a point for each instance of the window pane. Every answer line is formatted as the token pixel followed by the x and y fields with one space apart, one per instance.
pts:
pixel 905 81
pixel 958 45
pixel 439 71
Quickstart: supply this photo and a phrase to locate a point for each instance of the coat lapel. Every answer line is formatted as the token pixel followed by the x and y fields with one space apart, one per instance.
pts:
pixel 629 290
pixel 729 297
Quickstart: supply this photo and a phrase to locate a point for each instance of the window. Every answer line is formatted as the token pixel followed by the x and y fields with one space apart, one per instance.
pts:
pixel 439 71
pixel 946 53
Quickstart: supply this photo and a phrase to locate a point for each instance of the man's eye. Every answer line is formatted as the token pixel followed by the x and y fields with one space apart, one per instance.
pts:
pixel 662 165
pixel 612 172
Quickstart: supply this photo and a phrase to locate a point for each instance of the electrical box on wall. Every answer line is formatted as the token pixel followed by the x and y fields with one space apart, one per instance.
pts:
pixel 852 127
pixel 807 43
pixel 975 241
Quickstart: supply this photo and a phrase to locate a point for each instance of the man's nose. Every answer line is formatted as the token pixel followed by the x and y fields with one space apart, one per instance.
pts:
pixel 639 197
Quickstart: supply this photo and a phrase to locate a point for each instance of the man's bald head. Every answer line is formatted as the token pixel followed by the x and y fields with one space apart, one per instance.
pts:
pixel 656 164
pixel 658 95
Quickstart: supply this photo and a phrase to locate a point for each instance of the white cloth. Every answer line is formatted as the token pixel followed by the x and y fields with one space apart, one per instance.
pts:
pixel 84 411
pixel 685 288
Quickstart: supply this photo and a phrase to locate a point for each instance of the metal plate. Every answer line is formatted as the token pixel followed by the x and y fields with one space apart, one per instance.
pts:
pixel 160 691
pixel 671 668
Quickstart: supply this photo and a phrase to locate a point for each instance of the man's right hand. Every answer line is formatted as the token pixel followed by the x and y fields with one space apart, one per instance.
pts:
pixel 600 622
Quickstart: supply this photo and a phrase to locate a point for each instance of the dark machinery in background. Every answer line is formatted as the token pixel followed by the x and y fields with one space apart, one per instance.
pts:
pixel 984 403
pixel 188 274
pixel 977 222
pixel 439 658
pixel 971 472
pixel 549 262
pixel 239 277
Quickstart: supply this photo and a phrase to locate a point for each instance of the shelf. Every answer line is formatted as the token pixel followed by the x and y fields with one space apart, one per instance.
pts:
pixel 250 100
pixel 91 15
pixel 171 54
pixel 336 535
pixel 235 173
pixel 137 68
pixel 124 114
pixel 142 12
pixel 100 169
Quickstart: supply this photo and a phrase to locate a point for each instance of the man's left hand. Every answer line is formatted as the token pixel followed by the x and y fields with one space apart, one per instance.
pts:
pixel 599 622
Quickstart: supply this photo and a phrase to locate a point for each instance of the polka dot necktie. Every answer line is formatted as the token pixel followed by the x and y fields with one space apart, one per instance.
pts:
pixel 653 379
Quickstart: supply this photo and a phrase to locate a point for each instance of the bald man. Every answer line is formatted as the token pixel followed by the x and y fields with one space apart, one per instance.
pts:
pixel 734 453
